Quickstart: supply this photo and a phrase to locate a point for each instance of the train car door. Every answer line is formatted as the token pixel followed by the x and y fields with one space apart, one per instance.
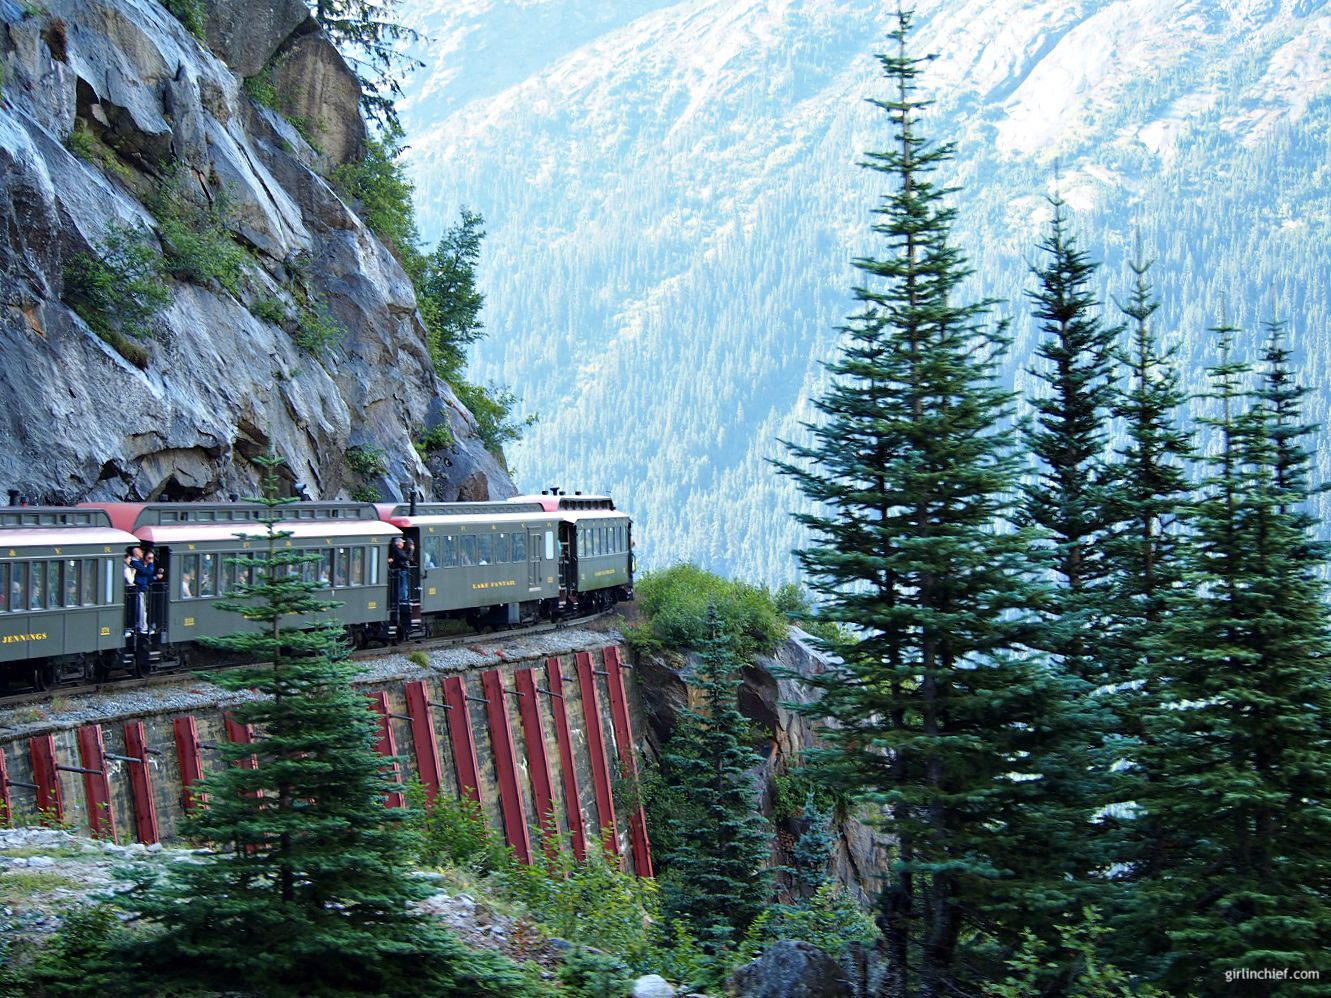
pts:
pixel 534 573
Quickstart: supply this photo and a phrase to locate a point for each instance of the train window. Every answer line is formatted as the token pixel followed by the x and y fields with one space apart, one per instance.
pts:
pixel 374 566
pixel 433 555
pixel 88 583
pixel 519 548
pixel 37 589
pixel 549 545
pixel 52 584
pixel 340 568
pixel 358 566
pixel 208 575
pixel 71 581
pixel 309 567
pixel 501 549
pixel 326 568
pixel 188 568
pixel 18 587
pixel 108 596
pixel 450 553
pixel 4 588
pixel 484 549
pixel 228 573
pixel 468 552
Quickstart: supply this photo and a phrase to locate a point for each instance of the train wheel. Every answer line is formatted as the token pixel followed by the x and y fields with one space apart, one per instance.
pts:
pixel 43 677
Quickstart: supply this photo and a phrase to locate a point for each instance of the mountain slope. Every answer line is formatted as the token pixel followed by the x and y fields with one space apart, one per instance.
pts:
pixel 673 204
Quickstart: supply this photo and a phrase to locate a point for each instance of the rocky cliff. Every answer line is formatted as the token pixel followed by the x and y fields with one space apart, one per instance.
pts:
pixel 124 141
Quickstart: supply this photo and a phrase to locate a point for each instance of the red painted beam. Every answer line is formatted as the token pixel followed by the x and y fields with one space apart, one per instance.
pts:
pixel 6 818
pixel 516 833
pixel 387 747
pixel 460 737
pixel 241 734
pixel 554 681
pixel 96 784
pixel 186 731
pixel 538 762
pixel 427 742
pixel 591 712
pixel 628 763
pixel 50 801
pixel 140 784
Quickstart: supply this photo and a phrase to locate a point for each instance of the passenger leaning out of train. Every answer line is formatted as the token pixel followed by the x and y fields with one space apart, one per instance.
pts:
pixel 399 562
pixel 143 576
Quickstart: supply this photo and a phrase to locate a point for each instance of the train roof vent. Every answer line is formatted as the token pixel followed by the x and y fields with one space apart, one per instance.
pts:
pixel 586 502
pixel 157 514
pixel 466 508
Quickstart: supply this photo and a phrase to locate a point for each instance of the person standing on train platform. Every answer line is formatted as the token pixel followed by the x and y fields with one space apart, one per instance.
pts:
pixel 399 562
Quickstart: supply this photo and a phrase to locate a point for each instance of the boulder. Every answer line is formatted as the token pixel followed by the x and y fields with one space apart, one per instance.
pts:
pixel 652 986
pixel 791 967
pixel 246 33
pixel 317 87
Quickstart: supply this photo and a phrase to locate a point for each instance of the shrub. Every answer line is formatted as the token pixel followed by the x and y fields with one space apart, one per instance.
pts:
pixel 365 493
pixel 82 957
pixel 197 237
pixel 191 13
pixel 438 437
pixel 268 310
pixel 493 409
pixel 675 601
pixel 261 88
pixel 379 189
pixel 795 605
pixel 831 920
pixel 451 832
pixel 368 461
pixel 119 288
pixel 317 332
pixel 588 974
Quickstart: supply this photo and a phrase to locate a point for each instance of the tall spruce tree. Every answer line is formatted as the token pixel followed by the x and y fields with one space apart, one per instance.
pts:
pixel 716 880
pixel 939 711
pixel 373 41
pixel 307 890
pixel 1237 741
pixel 1067 499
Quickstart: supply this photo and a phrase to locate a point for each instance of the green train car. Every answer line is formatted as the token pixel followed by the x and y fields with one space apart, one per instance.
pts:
pixel 61 593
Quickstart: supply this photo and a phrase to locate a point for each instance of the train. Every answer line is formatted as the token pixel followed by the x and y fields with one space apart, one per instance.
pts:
pixel 68 615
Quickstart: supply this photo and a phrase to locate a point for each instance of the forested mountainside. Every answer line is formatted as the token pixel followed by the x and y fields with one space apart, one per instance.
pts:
pixel 672 204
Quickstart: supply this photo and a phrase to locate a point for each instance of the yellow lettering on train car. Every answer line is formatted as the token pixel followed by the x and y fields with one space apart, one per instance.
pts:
pixel 105 632
pixel 493 585
pixel 106 549
pixel 434 591
pixel 12 552
pixel 13 639
pixel 189 621
pixel 604 571
pixel 57 550
pixel 372 605
pixel 193 547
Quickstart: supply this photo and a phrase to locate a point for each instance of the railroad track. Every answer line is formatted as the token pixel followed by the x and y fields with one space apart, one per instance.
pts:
pixel 175 675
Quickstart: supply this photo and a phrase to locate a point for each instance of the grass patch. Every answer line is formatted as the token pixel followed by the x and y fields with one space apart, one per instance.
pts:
pixel 439 437
pixel 89 148
pixel 261 88
pixel 269 310
pixel 317 332
pixel 191 13
pixel 17 886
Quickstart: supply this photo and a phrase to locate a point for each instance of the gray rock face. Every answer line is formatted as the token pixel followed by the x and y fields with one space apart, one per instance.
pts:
pixel 315 85
pixel 790 967
pixel 245 34
pixel 219 386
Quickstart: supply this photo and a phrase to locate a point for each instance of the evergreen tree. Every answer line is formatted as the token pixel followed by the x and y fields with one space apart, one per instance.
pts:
pixel 307 891
pixel 1238 740
pixel 812 851
pixel 449 300
pixel 715 881
pixel 1067 498
pixel 939 709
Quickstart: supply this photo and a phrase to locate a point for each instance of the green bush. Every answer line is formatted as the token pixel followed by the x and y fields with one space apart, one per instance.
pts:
pixel 438 437
pixel 261 88
pixel 795 605
pixel 675 602
pixel 451 832
pixel 119 288
pixel 317 332
pixel 831 920
pixel 268 310
pixel 588 974
pixel 792 788
pixel 191 13
pixel 197 237
pixel 368 461
pixel 493 409
pixel 378 188
pixel 82 958
pixel 87 147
